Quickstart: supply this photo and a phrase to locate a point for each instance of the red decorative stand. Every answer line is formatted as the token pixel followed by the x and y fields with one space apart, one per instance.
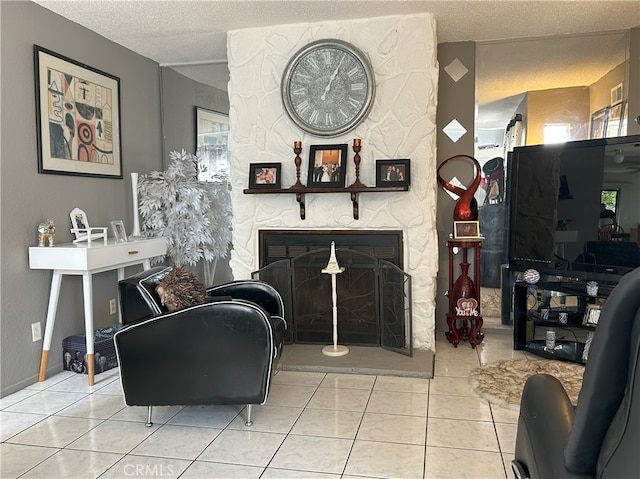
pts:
pixel 464 317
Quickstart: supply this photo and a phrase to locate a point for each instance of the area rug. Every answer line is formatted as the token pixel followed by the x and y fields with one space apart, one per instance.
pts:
pixel 502 382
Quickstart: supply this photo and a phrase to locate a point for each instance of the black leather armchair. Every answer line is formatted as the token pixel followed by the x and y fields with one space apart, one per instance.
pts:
pixel 600 437
pixel 221 352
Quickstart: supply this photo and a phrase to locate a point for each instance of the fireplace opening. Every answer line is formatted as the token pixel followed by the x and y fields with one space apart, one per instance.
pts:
pixel 373 293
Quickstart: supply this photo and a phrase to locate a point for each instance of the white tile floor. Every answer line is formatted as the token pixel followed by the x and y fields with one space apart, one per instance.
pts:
pixel 314 425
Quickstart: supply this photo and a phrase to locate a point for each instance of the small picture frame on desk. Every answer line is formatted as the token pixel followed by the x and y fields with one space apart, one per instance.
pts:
pixel 81 229
pixel 119 233
pixel 466 229
pixel 393 172
pixel 265 175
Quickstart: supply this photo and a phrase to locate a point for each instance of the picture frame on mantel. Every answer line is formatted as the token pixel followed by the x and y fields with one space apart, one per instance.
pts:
pixel 327 166
pixel 393 172
pixel 78 118
pixel 265 175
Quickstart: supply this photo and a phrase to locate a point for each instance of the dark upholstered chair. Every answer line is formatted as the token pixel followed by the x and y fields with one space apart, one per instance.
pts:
pixel 221 352
pixel 600 437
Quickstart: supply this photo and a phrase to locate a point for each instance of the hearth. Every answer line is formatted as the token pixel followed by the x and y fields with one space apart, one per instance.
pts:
pixel 373 293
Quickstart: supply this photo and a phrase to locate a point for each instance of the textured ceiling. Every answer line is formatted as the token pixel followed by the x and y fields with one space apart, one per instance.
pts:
pixel 174 31
pixel 190 35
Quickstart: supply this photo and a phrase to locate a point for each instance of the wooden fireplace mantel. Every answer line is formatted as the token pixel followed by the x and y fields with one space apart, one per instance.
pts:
pixel 300 191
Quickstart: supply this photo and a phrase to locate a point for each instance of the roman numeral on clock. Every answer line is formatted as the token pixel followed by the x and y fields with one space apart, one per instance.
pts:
pixel 312 61
pixel 353 72
pixel 303 106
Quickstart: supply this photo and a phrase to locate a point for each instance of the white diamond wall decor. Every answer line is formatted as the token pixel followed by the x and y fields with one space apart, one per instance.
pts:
pixel 454 130
pixel 456 70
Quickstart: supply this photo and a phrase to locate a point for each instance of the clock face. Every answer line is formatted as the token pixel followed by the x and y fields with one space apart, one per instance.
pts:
pixel 328 87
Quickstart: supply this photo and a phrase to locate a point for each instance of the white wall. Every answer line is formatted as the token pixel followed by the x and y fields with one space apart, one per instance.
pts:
pixel 401 124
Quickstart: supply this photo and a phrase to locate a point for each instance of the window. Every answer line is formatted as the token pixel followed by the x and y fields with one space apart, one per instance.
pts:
pixel 610 199
pixel 556 133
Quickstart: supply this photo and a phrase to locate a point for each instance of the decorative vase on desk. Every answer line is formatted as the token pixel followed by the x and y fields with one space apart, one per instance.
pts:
pixel 135 234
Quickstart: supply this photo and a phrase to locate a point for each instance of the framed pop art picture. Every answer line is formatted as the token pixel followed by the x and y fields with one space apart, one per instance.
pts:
pixel 78 117
pixel 327 165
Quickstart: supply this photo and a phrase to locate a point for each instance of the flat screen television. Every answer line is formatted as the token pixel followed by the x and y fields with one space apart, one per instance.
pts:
pixel 554 194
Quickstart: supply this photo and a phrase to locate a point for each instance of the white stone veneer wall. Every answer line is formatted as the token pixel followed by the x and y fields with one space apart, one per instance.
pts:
pixel 401 124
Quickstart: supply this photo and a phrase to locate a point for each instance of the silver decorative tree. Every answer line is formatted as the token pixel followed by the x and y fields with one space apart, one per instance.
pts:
pixel 194 216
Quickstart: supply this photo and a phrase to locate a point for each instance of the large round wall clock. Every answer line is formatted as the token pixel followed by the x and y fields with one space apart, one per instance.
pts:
pixel 328 87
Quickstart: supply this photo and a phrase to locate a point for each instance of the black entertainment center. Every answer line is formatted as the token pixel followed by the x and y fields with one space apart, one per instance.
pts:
pixel 554 196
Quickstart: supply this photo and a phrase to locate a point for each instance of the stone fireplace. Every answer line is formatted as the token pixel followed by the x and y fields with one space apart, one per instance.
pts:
pixel 401 124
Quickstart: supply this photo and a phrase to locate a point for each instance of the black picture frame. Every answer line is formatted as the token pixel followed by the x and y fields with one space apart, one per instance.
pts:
pixel 78 117
pixel 393 172
pixel 265 175
pixel 327 166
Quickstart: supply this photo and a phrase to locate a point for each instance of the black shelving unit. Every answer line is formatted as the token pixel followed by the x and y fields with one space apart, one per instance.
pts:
pixel 530 324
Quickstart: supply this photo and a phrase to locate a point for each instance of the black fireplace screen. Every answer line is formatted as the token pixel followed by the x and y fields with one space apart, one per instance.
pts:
pixel 373 299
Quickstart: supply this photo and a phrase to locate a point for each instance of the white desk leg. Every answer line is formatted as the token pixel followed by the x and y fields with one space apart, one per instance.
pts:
pixel 120 278
pixel 88 322
pixel 56 280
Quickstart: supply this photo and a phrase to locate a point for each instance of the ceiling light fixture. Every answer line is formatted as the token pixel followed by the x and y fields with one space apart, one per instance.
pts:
pixel 618 157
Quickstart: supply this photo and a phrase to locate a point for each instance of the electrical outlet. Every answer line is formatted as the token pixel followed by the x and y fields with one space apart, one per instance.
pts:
pixel 36 332
pixel 112 306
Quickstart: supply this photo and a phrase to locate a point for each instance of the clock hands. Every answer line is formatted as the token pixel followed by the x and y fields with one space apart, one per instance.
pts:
pixel 333 77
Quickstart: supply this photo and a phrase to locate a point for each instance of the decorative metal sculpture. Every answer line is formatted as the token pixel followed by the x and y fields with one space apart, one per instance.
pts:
pixel 333 268
pixel 466 208
pixel 46 233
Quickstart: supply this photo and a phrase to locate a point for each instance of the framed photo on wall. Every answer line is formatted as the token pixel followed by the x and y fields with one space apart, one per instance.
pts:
pixel 78 117
pixel 212 145
pixel 393 172
pixel 327 165
pixel 265 175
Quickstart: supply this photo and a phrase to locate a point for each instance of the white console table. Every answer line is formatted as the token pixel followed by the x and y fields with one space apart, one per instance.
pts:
pixel 86 260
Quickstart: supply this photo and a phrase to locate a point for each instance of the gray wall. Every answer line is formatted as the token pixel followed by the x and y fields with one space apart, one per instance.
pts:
pixel 455 100
pixel 29 198
pixel 180 96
